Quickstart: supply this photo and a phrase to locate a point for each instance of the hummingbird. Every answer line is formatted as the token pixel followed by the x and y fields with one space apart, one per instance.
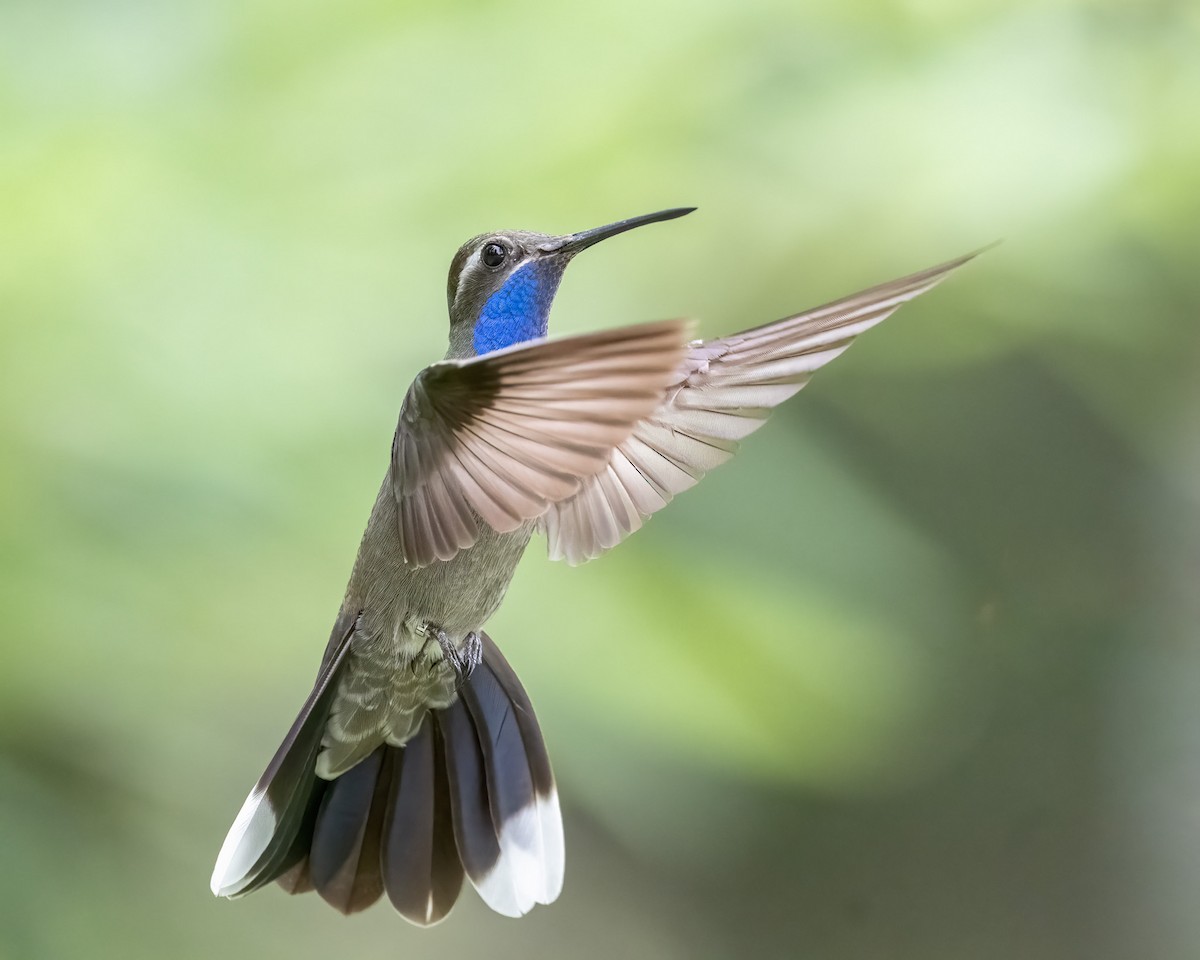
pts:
pixel 417 760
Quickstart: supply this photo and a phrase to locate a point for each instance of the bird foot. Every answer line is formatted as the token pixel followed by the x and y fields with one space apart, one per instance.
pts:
pixel 463 662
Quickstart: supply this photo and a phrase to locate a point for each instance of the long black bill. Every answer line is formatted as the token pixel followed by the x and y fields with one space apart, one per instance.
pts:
pixel 574 242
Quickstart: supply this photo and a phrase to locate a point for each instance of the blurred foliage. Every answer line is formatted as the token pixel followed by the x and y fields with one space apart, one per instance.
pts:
pixel 913 677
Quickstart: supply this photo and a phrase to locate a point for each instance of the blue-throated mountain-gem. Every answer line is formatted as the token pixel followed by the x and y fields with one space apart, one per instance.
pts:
pixel 417 758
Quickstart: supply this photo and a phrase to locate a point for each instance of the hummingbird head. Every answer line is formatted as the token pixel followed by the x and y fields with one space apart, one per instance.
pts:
pixel 501 284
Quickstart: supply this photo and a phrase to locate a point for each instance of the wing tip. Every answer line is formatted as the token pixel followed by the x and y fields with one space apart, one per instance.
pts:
pixel 942 270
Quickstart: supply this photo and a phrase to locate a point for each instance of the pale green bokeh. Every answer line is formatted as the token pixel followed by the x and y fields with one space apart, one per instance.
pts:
pixel 913 677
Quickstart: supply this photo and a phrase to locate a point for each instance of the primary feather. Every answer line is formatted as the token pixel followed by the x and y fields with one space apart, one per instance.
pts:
pixel 723 390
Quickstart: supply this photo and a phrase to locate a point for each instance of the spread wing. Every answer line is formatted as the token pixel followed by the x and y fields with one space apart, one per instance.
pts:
pixel 497 439
pixel 722 391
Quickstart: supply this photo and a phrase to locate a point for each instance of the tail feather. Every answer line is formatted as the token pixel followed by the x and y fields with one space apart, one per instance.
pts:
pixel 298 822
pixel 343 859
pixel 545 790
pixel 474 831
pixel 472 792
pixel 421 870
pixel 512 799
pixel 261 844
pixel 297 878
pixel 447 871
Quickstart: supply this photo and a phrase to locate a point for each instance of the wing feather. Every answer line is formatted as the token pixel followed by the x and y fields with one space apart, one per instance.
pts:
pixel 501 437
pixel 723 391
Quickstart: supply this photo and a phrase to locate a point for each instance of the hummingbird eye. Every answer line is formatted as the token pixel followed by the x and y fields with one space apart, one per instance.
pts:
pixel 493 254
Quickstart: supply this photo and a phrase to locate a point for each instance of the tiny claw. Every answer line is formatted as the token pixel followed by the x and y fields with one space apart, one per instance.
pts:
pixel 472 654
pixel 463 662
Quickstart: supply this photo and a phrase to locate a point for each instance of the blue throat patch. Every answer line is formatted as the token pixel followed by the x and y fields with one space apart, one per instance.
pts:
pixel 519 310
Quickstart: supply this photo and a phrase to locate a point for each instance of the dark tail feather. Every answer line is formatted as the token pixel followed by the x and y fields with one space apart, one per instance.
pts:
pixel 296 879
pixel 474 832
pixel 343 856
pixel 262 843
pixel 421 870
pixel 472 791
pixel 506 815
pixel 531 733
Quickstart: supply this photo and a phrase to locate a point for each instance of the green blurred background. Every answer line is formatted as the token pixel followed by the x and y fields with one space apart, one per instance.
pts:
pixel 915 676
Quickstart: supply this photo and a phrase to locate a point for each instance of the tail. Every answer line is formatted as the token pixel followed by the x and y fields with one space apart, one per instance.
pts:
pixel 472 793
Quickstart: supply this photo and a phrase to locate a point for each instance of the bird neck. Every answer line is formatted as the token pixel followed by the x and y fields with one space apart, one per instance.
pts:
pixel 519 310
